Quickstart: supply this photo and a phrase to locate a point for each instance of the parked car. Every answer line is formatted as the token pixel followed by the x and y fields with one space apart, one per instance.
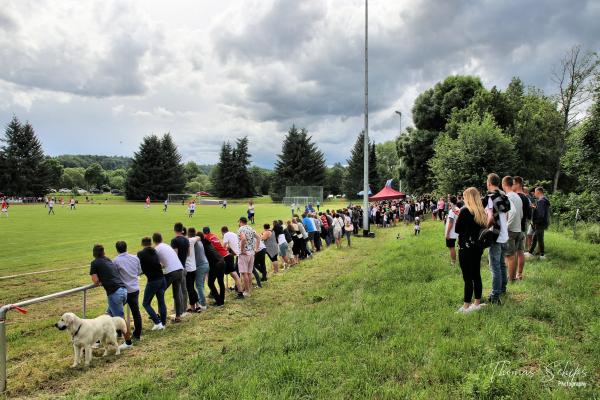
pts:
pixel 116 192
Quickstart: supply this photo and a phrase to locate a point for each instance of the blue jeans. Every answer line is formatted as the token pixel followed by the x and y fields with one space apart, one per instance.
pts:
pixel 201 273
pixel 156 288
pixel 116 301
pixel 497 251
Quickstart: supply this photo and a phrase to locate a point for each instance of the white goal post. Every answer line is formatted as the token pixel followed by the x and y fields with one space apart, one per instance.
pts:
pixel 303 195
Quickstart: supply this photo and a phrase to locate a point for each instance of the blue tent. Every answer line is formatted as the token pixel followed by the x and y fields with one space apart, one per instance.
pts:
pixel 362 192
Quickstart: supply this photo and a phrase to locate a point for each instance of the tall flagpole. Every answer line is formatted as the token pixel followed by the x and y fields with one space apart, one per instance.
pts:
pixel 366 130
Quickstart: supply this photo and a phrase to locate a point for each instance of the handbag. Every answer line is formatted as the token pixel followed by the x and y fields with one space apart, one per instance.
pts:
pixel 486 238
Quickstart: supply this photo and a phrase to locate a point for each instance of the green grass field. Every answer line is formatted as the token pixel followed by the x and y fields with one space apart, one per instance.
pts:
pixel 374 321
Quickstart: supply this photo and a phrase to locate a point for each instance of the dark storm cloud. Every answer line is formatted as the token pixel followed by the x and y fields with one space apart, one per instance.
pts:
pixel 318 70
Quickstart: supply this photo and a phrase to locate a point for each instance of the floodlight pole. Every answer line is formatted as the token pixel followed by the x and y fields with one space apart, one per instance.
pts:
pixel 366 144
pixel 400 134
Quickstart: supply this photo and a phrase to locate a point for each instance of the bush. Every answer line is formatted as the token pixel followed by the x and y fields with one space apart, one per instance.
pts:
pixel 591 233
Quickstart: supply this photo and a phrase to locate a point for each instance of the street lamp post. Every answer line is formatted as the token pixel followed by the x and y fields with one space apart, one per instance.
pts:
pixel 400 134
pixel 366 137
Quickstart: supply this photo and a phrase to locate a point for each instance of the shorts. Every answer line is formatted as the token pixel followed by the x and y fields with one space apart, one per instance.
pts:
pixel 283 248
pixel 311 236
pixel 450 243
pixel 229 263
pixel 192 211
pixel 515 243
pixel 272 258
pixel 246 263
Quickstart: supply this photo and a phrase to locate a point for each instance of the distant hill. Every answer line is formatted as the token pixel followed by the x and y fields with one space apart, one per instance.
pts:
pixel 84 161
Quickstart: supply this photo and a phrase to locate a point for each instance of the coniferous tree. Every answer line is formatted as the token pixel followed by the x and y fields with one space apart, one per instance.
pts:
pixel 300 163
pixel 150 171
pixel 172 173
pixel 354 176
pixel 221 177
pixel 26 172
pixel 242 179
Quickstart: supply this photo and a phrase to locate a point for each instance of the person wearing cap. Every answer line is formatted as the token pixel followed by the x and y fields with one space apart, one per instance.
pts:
pixel 249 243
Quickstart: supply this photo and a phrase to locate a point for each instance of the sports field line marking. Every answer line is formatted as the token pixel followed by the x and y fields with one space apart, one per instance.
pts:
pixel 38 272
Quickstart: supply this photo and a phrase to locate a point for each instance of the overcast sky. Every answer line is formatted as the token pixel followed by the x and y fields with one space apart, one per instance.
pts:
pixel 94 77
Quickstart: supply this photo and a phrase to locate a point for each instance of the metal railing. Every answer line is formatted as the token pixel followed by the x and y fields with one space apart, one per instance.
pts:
pixel 18 306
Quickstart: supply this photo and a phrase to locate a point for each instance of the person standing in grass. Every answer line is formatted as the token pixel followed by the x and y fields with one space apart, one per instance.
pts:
pixel 251 212
pixel 348 227
pixel 541 221
pixel 181 245
pixel 260 264
pixel 191 271
pixel 216 268
pixel 232 245
pixel 165 205
pixel 173 272
pixel 147 202
pixel 270 240
pixel 72 204
pixel 51 207
pixel 497 207
pixel 471 219
pixel 338 226
pixel 129 269
pixel 516 239
pixel 191 208
pixel 155 286
pixel 311 230
pixel 4 207
pixel 202 268
pixel 525 218
pixel 249 243
pixel 451 234
pixel 103 272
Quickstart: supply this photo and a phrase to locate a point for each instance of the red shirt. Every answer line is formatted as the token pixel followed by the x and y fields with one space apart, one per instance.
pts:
pixel 216 243
pixel 324 221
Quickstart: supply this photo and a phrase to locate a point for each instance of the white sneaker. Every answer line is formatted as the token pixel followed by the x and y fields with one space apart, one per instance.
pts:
pixel 96 345
pixel 542 258
pixel 203 308
pixel 158 327
pixel 125 346
pixel 474 307
pixel 185 314
pixel 463 310
pixel 527 254
pixel 246 294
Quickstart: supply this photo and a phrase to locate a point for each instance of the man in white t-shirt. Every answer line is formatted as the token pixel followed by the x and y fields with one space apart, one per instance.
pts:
pixel 173 270
pixel 497 206
pixel 516 239
pixel 451 234
pixel 232 244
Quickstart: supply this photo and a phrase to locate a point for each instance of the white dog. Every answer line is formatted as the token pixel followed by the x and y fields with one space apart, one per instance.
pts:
pixel 86 332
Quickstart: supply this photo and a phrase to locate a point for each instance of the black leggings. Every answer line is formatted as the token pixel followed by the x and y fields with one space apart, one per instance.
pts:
pixel 217 271
pixel 470 263
pixel 259 262
pixel 190 280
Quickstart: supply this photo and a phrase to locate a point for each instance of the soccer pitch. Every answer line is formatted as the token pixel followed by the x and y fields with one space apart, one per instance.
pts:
pixel 32 241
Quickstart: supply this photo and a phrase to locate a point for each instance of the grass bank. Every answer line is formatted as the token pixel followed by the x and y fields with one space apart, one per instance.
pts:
pixel 376 321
